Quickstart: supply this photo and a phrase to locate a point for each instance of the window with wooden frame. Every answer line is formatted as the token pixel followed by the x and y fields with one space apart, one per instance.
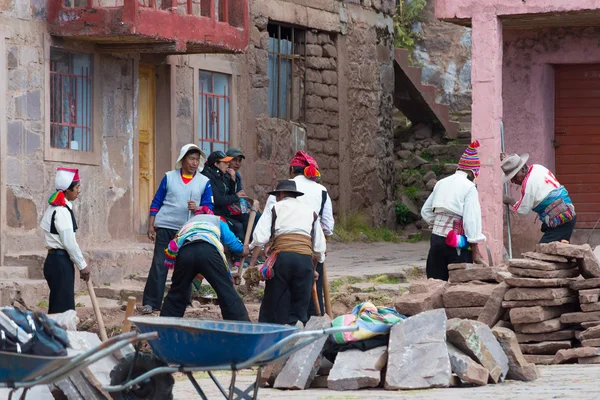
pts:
pixel 286 71
pixel 70 107
pixel 214 98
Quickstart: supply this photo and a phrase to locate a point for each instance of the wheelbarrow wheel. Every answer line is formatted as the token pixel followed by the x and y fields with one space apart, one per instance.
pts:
pixel 157 387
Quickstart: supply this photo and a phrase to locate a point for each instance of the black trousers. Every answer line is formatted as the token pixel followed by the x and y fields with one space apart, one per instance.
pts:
pixel 59 272
pixel 562 232
pixel 311 307
pixel 202 258
pixel 293 273
pixel 154 291
pixel 441 255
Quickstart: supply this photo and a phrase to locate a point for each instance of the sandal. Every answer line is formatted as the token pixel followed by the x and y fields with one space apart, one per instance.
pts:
pixel 146 310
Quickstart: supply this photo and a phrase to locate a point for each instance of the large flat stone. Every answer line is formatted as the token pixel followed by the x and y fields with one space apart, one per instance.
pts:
pixel 547 348
pixel 301 368
pixel 537 282
pixel 464 312
pixel 587 298
pixel 578 317
pixel 589 360
pixel 544 257
pixel 562 249
pixel 591 324
pixel 421 296
pixel 417 353
pixel 521 294
pixel 530 315
pixel 538 264
pixel 452 267
pixel 580 284
pixel 587 292
pixel 466 368
pixel 535 273
pixel 469 295
pixel 539 359
pixel 588 265
pixel 477 341
pixel 569 354
pixel 551 325
pixel 493 311
pixel 544 337
pixel 590 333
pixel 356 369
pixel 518 368
pixel 545 303
pixel 476 274
pixel 590 343
pixel 590 307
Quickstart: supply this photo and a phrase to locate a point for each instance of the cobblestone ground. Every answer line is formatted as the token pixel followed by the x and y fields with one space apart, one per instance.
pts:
pixel 556 382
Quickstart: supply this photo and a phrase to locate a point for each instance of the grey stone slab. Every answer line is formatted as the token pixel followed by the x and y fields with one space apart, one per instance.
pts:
pixel 467 369
pixel 356 369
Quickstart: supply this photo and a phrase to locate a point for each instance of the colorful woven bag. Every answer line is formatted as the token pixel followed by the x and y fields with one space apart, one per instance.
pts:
pixel 371 321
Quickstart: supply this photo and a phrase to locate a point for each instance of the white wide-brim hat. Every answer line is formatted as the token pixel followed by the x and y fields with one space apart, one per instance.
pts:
pixel 511 165
pixel 184 150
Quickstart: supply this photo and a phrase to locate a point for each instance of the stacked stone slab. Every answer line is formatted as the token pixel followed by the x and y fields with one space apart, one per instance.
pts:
pixel 467 300
pixel 538 295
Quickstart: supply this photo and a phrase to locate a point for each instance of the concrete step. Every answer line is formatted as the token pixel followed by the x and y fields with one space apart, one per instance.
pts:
pixel 32 292
pixel 12 273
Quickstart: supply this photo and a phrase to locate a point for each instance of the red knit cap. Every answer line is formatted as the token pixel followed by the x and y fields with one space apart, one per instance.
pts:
pixel 311 168
pixel 470 159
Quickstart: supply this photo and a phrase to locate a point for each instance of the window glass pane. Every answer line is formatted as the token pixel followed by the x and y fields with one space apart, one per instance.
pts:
pixel 70 100
pixel 213 112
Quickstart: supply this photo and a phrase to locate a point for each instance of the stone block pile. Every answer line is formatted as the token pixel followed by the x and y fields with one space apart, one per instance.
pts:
pixel 426 350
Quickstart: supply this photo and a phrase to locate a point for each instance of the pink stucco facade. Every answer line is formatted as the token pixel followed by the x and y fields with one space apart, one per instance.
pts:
pixel 513 81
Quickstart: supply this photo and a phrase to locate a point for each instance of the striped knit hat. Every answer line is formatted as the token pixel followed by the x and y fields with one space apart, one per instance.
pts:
pixel 470 159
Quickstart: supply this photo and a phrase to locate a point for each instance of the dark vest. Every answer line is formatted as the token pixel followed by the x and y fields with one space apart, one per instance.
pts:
pixel 53 227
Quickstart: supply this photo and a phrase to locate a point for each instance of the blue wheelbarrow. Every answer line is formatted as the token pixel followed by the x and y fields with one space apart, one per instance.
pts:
pixel 24 371
pixel 191 345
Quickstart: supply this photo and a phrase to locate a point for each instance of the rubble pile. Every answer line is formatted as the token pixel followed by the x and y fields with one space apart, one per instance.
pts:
pixel 426 350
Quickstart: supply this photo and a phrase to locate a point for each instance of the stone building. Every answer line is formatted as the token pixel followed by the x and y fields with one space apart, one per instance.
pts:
pixel 96 85
pixel 536 68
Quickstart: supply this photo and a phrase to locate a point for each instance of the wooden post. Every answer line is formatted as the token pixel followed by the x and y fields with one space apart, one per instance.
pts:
pixel 326 293
pixel 128 313
pixel 90 287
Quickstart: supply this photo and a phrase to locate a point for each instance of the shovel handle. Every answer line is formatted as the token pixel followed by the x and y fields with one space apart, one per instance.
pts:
pixel 101 328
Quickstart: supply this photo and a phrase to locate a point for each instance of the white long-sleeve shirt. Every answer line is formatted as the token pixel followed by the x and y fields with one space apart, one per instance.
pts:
pixel 537 185
pixel 295 217
pixel 313 197
pixel 455 195
pixel 65 239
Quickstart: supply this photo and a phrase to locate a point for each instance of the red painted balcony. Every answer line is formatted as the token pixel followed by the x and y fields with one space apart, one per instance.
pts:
pixel 153 26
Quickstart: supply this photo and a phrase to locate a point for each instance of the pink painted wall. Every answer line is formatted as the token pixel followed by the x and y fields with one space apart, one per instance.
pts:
pixel 528 97
pixel 465 9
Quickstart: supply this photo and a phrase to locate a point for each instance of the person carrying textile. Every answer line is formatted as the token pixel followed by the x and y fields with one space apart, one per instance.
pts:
pixel 295 235
pixel 59 226
pixel 197 250
pixel 542 193
pixel 454 213
pixel 182 191
pixel 304 170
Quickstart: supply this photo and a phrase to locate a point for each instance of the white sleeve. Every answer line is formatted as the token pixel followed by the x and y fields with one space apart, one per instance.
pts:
pixel 427 210
pixel 319 243
pixel 327 221
pixel 64 227
pixel 262 232
pixel 525 205
pixel 472 217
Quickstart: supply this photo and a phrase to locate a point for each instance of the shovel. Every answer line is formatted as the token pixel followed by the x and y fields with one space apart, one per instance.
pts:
pixel 101 328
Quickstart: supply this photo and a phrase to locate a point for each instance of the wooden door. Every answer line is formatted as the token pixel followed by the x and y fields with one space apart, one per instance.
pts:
pixel 146 124
pixel 577 138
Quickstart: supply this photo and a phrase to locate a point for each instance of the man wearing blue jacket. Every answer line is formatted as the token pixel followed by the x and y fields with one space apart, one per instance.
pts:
pixel 197 252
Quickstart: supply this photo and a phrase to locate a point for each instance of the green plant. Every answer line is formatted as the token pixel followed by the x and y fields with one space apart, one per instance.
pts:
pixel 336 284
pixel 353 280
pixel 453 141
pixel 79 305
pixel 132 276
pixel 260 293
pixel 349 227
pixel 416 238
pixel 426 155
pixel 438 169
pixel 411 193
pixel 413 172
pixel 402 213
pixel 43 303
pixel 385 279
pixel 106 283
pixel 408 12
pixel 207 291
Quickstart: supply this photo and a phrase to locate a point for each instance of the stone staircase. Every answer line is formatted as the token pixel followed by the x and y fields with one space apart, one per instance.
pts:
pixel 416 100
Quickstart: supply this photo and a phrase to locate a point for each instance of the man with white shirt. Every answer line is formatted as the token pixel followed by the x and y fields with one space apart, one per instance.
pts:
pixel 454 212
pixel 304 170
pixel 296 237
pixel 59 226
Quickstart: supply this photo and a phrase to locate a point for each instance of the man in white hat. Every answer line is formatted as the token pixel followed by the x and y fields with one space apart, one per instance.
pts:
pixel 542 193
pixel 180 194
pixel 59 227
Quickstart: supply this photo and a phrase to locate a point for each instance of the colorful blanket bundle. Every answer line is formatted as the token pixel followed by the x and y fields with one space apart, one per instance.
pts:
pixel 557 208
pixel 371 321
pixel 192 231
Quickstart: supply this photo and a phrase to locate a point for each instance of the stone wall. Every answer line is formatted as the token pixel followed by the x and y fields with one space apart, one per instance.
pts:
pixel 444 53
